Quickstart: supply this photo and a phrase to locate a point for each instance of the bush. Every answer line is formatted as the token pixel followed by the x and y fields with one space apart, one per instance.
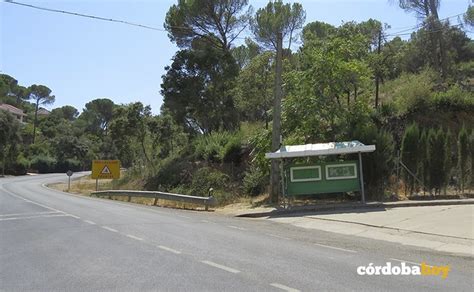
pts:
pixel 68 164
pixel 219 147
pixel 43 164
pixel 454 98
pixel 206 178
pixel 19 166
pixel 173 172
pixel 255 181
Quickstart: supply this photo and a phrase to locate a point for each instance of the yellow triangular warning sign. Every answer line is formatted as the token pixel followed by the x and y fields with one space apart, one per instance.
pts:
pixel 105 170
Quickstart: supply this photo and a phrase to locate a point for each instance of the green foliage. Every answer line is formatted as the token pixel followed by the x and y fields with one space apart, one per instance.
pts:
pixel 255 181
pixel 254 88
pixel 43 164
pixel 219 147
pixel 378 165
pixel 276 18
pixel 206 178
pixel 437 155
pixel 455 98
pixel 9 136
pixel 197 90
pixel 463 157
pixel 469 16
pixel 218 22
pixel 410 154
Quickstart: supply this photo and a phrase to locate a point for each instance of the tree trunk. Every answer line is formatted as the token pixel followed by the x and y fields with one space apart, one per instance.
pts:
pixel 36 120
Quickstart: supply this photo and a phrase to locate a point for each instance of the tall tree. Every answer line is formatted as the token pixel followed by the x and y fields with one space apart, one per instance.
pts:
pixel 197 90
pixel 427 10
pixel 219 22
pixel 41 96
pixel 97 115
pixel 463 157
pixel 254 88
pixel 276 18
pixel 9 135
pixel 469 16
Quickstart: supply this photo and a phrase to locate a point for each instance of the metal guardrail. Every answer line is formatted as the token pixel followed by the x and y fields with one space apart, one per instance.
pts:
pixel 206 201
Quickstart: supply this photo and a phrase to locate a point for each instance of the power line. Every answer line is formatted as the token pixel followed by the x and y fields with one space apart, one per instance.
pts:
pixel 421 25
pixel 98 17
pixel 84 15
pixel 429 31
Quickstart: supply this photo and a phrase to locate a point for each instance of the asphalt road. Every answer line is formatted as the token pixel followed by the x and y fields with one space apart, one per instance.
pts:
pixel 50 240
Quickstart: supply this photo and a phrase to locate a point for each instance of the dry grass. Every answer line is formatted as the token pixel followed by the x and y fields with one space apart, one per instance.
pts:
pixel 86 185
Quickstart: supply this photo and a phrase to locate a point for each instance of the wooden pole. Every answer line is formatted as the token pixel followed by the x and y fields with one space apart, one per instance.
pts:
pixel 276 126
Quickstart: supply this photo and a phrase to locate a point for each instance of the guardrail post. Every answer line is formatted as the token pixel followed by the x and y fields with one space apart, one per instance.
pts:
pixel 155 202
pixel 129 198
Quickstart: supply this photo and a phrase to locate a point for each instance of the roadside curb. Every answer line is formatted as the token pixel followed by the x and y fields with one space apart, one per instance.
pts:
pixel 354 206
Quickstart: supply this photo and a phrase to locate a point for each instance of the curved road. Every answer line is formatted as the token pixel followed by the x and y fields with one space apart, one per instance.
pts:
pixel 51 240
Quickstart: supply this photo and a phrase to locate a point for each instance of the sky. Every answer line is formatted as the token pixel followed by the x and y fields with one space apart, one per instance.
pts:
pixel 82 59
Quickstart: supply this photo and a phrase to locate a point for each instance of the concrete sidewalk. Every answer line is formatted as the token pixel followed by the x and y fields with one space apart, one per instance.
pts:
pixel 442 228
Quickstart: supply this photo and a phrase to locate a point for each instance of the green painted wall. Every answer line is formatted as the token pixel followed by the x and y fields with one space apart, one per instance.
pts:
pixel 331 177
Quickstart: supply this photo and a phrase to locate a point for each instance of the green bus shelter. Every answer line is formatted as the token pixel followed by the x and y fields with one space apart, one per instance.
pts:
pixel 322 177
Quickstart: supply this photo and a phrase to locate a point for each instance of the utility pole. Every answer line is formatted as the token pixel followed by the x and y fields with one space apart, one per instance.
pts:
pixel 276 126
pixel 377 71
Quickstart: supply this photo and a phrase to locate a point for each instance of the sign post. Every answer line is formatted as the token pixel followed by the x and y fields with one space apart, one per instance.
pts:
pixel 105 169
pixel 69 173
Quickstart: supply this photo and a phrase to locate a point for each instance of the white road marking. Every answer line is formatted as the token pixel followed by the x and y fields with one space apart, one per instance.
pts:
pixel 227 269
pixel 336 248
pixel 277 236
pixel 28 214
pixel 283 287
pixel 403 261
pixel 109 229
pixel 35 203
pixel 33 217
pixel 90 222
pixel 133 237
pixel 236 227
pixel 73 216
pixel 182 216
pixel 205 221
pixel 169 249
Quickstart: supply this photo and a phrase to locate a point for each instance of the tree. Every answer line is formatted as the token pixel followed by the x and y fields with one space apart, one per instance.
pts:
pixel 277 18
pixel 41 95
pixel 463 157
pixel 197 90
pixel 66 112
pixel 130 126
pixel 427 10
pixel 410 154
pixel 218 22
pixel 254 88
pixel 9 135
pixel 97 115
pixel 469 16
pixel 244 54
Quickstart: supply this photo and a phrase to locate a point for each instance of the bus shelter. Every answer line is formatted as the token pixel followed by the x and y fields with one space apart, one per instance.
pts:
pixel 321 177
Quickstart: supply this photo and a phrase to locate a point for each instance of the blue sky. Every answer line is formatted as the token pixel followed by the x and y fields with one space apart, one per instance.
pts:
pixel 82 59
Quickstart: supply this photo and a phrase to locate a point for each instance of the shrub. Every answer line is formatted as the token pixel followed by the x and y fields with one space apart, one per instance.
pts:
pixel 410 154
pixel 172 172
pixel 219 147
pixel 255 181
pixel 454 98
pixel 43 164
pixel 19 166
pixel 68 164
